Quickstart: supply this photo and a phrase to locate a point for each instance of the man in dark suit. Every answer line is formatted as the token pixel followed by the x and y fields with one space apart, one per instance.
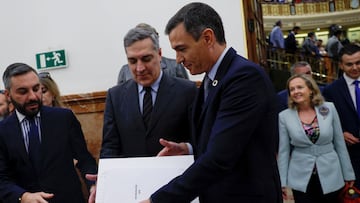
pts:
pixel 342 93
pixel 126 132
pixel 50 176
pixel 290 42
pixel 168 66
pixel 234 118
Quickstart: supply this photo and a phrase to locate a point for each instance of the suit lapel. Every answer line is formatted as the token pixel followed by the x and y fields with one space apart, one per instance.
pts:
pixel 18 137
pixel 220 74
pixel 324 119
pixel 201 107
pixel 131 104
pixel 346 94
pixel 297 127
pixel 198 107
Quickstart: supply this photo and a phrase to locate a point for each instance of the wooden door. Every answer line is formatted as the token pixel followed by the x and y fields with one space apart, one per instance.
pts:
pixel 255 35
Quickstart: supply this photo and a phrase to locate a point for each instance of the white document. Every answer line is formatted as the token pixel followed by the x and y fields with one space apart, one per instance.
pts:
pixel 130 180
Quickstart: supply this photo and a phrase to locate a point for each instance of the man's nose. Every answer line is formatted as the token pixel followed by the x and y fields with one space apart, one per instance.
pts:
pixel 179 58
pixel 140 65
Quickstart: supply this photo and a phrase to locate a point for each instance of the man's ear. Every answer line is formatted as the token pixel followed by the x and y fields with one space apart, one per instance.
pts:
pixel 160 52
pixel 208 36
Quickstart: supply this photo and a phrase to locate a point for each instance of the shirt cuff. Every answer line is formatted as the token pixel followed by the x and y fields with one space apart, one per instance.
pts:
pixel 189 146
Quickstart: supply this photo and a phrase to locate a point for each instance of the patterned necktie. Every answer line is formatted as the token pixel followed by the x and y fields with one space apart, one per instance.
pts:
pixel 34 143
pixel 147 106
pixel 357 96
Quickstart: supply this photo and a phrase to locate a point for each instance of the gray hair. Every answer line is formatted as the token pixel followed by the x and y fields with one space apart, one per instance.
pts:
pixel 297 65
pixel 140 33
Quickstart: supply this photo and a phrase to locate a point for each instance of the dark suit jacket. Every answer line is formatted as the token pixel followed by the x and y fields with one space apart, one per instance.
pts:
pixel 168 66
pixel 338 93
pixel 235 135
pixel 61 141
pixel 290 43
pixel 124 133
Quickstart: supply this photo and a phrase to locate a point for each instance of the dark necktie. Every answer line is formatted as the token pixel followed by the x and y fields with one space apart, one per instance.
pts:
pixel 357 96
pixel 34 143
pixel 147 106
pixel 207 85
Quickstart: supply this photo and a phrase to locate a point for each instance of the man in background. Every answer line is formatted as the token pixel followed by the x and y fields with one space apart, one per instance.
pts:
pixel 168 66
pixel 277 36
pixel 291 44
pixel 334 45
pixel 342 92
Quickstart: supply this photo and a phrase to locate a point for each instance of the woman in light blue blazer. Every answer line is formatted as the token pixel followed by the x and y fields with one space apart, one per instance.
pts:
pixel 313 159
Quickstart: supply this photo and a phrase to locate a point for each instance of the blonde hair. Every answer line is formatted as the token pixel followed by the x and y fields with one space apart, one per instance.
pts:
pixel 315 98
pixel 51 86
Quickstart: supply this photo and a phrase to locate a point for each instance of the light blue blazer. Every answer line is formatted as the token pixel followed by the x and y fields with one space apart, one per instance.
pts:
pixel 329 153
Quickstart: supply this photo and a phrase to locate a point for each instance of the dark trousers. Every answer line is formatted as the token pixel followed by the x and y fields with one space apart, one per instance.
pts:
pixel 314 193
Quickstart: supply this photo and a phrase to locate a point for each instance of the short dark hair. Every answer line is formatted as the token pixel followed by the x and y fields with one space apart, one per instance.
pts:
pixel 196 18
pixel 311 34
pixel 296 28
pixel 15 69
pixel 348 49
pixel 337 32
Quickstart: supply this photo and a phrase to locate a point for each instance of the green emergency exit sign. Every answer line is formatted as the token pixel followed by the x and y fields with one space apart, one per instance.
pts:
pixel 52 59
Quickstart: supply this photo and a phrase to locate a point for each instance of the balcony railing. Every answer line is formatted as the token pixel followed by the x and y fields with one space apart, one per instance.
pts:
pixel 308 8
pixel 325 70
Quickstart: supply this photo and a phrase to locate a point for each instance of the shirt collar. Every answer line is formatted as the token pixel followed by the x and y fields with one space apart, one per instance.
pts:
pixel 154 86
pixel 212 73
pixel 22 116
pixel 349 81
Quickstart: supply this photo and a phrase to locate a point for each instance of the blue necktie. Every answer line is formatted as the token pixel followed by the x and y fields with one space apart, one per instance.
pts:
pixel 357 95
pixel 147 106
pixel 34 143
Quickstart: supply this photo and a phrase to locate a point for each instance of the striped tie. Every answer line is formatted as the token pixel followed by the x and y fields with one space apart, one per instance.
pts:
pixel 147 106
pixel 357 96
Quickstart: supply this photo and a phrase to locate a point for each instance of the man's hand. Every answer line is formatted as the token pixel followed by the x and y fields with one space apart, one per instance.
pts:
pixel 92 192
pixel 38 197
pixel 350 139
pixel 145 201
pixel 172 148
pixel 284 193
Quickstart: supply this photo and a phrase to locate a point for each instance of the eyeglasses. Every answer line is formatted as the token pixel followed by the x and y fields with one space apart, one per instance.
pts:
pixel 44 74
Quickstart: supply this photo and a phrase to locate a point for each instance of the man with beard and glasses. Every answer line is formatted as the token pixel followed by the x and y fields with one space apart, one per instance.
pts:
pixel 38 145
